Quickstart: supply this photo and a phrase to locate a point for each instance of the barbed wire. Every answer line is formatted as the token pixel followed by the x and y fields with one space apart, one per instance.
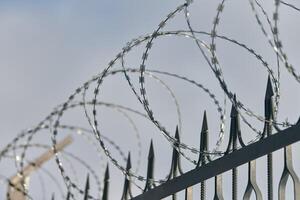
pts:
pixel 17 149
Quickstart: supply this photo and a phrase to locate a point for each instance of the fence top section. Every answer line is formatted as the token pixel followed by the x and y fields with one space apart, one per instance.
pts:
pixel 225 163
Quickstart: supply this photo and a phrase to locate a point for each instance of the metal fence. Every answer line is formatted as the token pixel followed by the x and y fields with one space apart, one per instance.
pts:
pixel 237 153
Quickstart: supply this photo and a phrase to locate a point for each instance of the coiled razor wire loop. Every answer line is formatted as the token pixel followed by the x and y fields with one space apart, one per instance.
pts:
pixel 74 106
pixel 45 171
pixel 145 101
pixel 94 112
pixel 278 45
pixel 171 93
pixel 214 65
pixel 271 43
pixel 258 57
pixel 64 153
pixel 95 122
pixel 172 140
pixel 212 61
pixel 66 178
pixel 131 122
pixel 86 86
pixel 111 142
pixel 46 126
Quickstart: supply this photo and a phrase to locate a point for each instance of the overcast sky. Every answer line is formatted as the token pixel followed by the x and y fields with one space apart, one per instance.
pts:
pixel 49 48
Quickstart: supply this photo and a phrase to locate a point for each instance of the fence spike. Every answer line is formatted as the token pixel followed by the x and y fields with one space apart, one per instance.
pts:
pixel 234 111
pixel 202 160
pixel 234 126
pixel 106 184
pixel 269 90
pixel 53 196
pixel 87 188
pixel 269 108
pixel 177 137
pixel 269 115
pixel 252 184
pixel 127 188
pixel 175 165
pixel 203 142
pixel 128 165
pixel 232 144
pixel 202 155
pixel 288 171
pixel 151 151
pixel 204 123
pixel 150 168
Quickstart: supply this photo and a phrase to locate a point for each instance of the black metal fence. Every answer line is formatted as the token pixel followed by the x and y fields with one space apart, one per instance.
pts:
pixel 236 154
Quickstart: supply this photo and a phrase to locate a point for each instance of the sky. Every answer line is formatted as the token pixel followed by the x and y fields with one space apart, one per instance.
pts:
pixel 50 48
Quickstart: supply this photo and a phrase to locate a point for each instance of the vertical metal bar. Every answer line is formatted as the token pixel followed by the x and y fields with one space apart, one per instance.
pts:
pixel 270 176
pixel 218 188
pixel 175 165
pixel 288 170
pixel 234 128
pixel 202 156
pixel 234 183
pixel 203 190
pixel 270 167
pixel 252 185
pixel 269 109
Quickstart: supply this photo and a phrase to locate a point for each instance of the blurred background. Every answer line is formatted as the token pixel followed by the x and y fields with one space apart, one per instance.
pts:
pixel 50 48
